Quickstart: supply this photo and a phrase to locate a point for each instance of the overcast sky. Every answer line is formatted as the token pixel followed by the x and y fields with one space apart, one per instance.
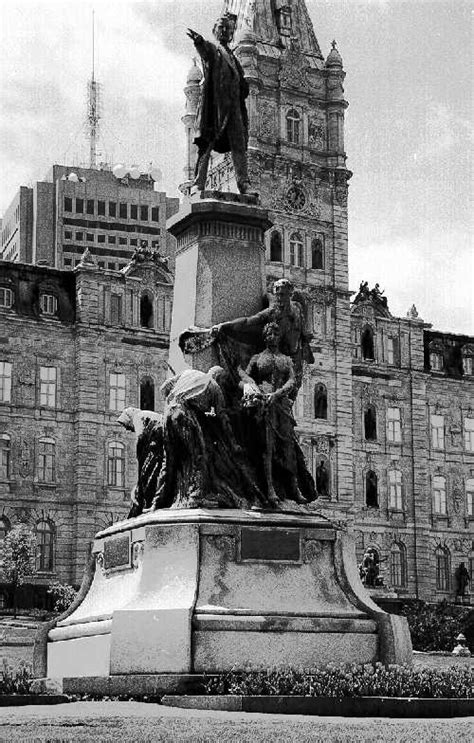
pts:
pixel 408 126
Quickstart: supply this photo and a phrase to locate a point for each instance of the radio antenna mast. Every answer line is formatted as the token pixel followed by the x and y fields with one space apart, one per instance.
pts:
pixel 93 112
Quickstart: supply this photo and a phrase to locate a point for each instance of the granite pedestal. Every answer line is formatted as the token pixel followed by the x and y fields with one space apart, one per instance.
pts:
pixel 181 592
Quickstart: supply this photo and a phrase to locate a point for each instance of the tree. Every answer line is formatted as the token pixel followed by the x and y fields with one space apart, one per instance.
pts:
pixel 16 555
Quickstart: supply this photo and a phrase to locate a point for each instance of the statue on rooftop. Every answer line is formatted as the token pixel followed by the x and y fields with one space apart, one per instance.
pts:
pixel 222 119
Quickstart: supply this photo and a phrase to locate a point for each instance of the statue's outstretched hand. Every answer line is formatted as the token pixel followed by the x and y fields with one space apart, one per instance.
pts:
pixel 193 35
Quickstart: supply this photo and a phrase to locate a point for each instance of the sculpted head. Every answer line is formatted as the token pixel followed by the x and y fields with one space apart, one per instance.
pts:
pixel 271 335
pixel 224 29
pixel 283 289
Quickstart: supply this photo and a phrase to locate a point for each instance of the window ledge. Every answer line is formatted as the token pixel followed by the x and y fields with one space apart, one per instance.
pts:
pixel 51 485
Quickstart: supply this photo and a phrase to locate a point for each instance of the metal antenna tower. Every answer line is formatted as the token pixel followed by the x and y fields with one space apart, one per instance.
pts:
pixel 93 106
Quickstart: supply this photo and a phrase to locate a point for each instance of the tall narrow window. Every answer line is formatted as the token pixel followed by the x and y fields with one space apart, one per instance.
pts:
pixel 370 423
pixel 101 208
pixel 79 206
pixel 48 380
pixel 371 490
pixel 112 209
pixel 116 391
pixel 147 394
pixel 144 213
pixel 146 311
pixel 115 309
pixel 392 351
pixel 293 126
pixel 437 431
pixel 367 344
pixel 467 365
pixel 67 204
pixel 395 490
pixel 436 361
pixel 115 464
pixel 394 426
pixel 439 496
pixel 317 255
pixel 470 496
pixel 442 569
pixel 133 211
pixel 155 214
pixel 320 401
pixel 276 252
pixel 469 434
pixel 296 250
pixel 5 381
pixel 5 448
pixel 46 460
pixel 44 546
pixel 6 297
pixel 398 571
pixel 123 211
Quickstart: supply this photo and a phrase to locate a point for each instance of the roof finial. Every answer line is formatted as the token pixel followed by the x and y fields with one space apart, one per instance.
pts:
pixel 334 44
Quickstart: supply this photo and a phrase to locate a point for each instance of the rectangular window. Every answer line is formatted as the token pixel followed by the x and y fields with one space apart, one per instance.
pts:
pixel 133 241
pixel 4 458
pixel 49 304
pixel 115 309
pixel 6 297
pixel 155 214
pixel 68 235
pixel 112 239
pixel 437 431
pixel 123 211
pixel 144 213
pixel 90 237
pixel 116 391
pixel 79 206
pixel 439 496
pixel 112 209
pixel 67 204
pixel 101 238
pixel 46 461
pixel 469 434
pixel 90 206
pixel 394 426
pixel 5 381
pixel 101 208
pixel 392 351
pixel 111 266
pixel 80 236
pixel 133 211
pixel 48 379
pixel 67 261
pixel 395 489
pixel 101 264
pixel 467 365
pixel 470 501
pixel 115 465
pixel 122 240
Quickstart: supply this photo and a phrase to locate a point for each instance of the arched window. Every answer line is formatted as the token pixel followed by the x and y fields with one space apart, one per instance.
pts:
pixel 115 464
pixel 323 476
pixel 147 394
pixel 371 490
pixel 367 343
pixel 296 250
pixel 442 568
pixel 293 126
pixel 146 311
pixel 370 423
pixel 317 253
pixel 46 460
pixel 398 565
pixel 439 495
pixel 5 448
pixel 4 527
pixel 276 252
pixel 320 401
pixel 44 546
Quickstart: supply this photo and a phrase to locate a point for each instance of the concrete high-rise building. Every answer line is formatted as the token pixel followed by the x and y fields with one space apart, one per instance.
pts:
pixel 76 208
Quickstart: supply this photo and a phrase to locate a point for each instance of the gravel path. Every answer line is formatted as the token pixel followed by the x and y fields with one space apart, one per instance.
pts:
pixel 112 722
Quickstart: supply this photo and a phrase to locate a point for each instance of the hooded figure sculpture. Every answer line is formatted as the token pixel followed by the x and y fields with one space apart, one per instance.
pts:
pixel 222 119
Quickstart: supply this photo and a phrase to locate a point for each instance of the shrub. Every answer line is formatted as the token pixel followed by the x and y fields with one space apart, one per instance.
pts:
pixel 63 595
pixel 435 626
pixel 347 681
pixel 15 680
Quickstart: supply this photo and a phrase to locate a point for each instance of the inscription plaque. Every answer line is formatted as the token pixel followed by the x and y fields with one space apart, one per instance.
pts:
pixel 117 552
pixel 270 544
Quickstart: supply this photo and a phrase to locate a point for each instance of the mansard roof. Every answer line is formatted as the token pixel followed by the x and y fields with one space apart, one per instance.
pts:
pixel 261 19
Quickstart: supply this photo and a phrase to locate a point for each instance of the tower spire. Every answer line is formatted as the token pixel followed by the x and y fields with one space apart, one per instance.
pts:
pixel 93 114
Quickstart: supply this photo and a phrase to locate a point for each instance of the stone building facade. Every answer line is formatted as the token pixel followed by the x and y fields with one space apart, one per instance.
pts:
pixel 76 208
pixel 76 347
pixel 409 499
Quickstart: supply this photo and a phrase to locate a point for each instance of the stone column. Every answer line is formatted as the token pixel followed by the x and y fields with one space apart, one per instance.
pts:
pixel 220 265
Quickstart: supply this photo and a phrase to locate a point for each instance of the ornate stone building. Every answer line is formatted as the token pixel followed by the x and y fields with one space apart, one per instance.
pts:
pixel 75 348
pixel 386 411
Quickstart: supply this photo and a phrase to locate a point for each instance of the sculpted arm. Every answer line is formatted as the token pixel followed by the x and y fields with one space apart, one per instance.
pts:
pixel 204 48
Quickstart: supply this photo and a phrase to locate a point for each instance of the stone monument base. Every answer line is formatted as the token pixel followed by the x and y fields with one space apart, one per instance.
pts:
pixel 206 591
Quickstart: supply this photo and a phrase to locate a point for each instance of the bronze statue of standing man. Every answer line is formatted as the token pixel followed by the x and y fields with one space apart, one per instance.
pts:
pixel 222 119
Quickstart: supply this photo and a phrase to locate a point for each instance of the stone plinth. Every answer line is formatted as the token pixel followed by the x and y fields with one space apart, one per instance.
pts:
pixel 220 264
pixel 194 591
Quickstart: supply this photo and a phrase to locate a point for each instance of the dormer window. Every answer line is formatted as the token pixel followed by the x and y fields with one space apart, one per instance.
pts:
pixel 49 304
pixel 6 297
